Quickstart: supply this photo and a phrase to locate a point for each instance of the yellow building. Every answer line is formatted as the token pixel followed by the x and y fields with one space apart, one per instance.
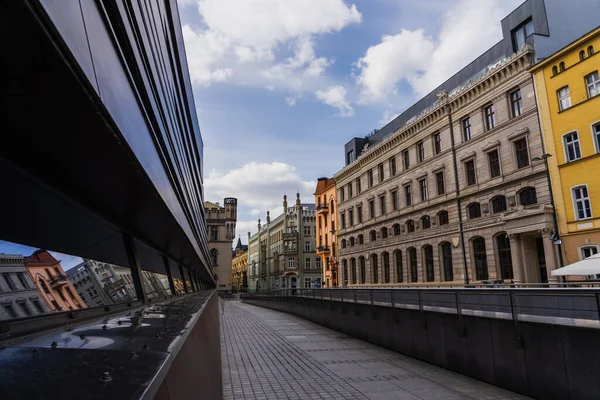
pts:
pixel 239 268
pixel 326 205
pixel 568 88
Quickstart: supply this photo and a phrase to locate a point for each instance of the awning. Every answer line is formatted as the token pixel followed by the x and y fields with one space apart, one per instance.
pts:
pixel 589 266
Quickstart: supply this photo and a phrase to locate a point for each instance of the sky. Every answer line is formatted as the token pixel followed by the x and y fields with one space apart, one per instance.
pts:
pixel 281 85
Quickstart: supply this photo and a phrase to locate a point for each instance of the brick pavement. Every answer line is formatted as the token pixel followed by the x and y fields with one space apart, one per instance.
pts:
pixel 267 354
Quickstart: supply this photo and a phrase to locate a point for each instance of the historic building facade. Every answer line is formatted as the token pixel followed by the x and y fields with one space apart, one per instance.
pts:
pixel 220 226
pixel 239 267
pixel 326 234
pixel 282 253
pixel 18 295
pixel 568 89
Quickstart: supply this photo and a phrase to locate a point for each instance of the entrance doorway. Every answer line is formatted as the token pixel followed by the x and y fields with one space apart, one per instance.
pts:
pixel 539 244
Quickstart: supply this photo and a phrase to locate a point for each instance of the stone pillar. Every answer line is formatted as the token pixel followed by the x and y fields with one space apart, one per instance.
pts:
pixel 516 252
pixel 550 256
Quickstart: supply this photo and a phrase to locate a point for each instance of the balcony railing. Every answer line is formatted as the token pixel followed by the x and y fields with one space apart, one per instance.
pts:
pixel 322 249
pixel 322 209
pixel 58 280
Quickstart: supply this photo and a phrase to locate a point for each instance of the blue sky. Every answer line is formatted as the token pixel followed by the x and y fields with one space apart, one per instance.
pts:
pixel 281 85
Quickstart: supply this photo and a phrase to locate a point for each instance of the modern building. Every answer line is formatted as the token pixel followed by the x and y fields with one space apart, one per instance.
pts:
pixel 326 234
pixel 18 295
pixel 568 88
pixel 220 227
pixel 239 267
pixel 282 252
pixel 52 283
pixel 454 189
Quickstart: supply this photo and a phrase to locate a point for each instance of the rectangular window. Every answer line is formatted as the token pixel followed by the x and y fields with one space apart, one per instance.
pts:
pixel 290 263
pixel 564 98
pixel 581 202
pixel 350 157
pixel 307 245
pixel 593 84
pixel 214 233
pixel 407 195
pixel 343 220
pixel 38 306
pixel 358 188
pixel 307 263
pixel 393 166
pixel 395 200
pixel 380 173
pixel 470 172
pixel 359 214
pixel 494 161
pixel 423 189
pixel 522 153
pixel 521 33
pixel 10 310
pixel 25 309
pixel 342 194
pixel 437 143
pixel 23 280
pixel 572 149
pixel 351 217
pixel 420 152
pixel 350 190
pixel 405 159
pixel 490 117
pixel 370 178
pixel 382 205
pixel 466 128
pixel 441 185
pixel 372 208
pixel 306 282
pixel 596 133
pixel 516 103
pixel 317 263
pixel 9 281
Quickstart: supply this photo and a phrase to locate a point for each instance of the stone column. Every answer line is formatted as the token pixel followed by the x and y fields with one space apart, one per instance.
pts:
pixel 550 256
pixel 516 252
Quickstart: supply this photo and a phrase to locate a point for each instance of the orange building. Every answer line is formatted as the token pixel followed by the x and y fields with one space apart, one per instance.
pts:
pixel 52 282
pixel 327 250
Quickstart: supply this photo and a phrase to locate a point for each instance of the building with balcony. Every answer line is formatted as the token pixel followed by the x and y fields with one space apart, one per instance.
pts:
pixel 326 225
pixel 568 92
pixel 220 227
pixel 52 283
pixel 239 267
pixel 282 253
pixel 19 297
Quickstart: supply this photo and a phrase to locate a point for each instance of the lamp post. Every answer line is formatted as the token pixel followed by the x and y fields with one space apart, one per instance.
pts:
pixel 557 240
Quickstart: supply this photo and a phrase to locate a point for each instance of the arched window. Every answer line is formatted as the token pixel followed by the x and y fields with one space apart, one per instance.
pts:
pixel 363 270
pixel 353 270
pixel 474 210
pixel 331 208
pixel 428 262
pixel 345 273
pixel 411 255
pixel 44 286
pixel 425 222
pixel 527 196
pixel 384 233
pixel 480 256
pixel 361 239
pixel 581 55
pixel 372 236
pixel 442 218
pixel 446 250
pixel 498 204
pixel 385 258
pixel 505 256
pixel 590 50
pixel 375 268
pixel 214 257
pixel 396 229
pixel 398 261
pixel 410 226
pixel 351 241
pixel 561 66
pixel 343 243
pixel 554 70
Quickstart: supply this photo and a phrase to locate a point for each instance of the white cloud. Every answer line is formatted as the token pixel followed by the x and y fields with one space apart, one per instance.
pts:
pixel 290 101
pixel 468 29
pixel 335 96
pixel 388 115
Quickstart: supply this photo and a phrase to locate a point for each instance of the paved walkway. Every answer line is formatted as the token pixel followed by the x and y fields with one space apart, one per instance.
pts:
pixel 267 354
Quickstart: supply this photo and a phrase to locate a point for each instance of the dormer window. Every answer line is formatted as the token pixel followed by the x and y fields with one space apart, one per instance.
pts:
pixel 521 33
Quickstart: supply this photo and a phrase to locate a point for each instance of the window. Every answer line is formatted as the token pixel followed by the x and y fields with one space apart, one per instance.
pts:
pixel 494 162
pixel 393 166
pixel 582 55
pixel 593 84
pixel 588 251
pixel 420 151
pixel 350 190
pixel 398 258
pixel 9 281
pixel 380 174
pixel 213 256
pixel 412 261
pixel 474 210
pixel 505 256
pixel 343 220
pixel 527 196
pixel 406 159
pixel 423 189
pixel 521 33
pixel 38 306
pixel 572 149
pixel 350 157
pixel 498 204
pixel 318 263
pixel 446 250
pixel 385 259
pixel 516 103
pixel 382 204
pixel 351 217
pixel 306 230
pixel 307 282
pixel 407 195
pixel 522 153
pixel 359 214
pixel 358 188
pixel 581 202
pixel 351 240
pixel 25 309
pixel 384 233
pixel 470 172
pixel 23 281
pixel 481 268
pixel 425 222
pixel 370 178
pixel 290 263
pixel 342 194
pixel 561 66
pixel 564 98
pixel 214 233
pixel 437 143
pixel 307 263
pixel 439 180
pixel 396 229
pixel 442 218
pixel 554 70
pixel 596 133
pixel 428 261
pixel 410 226
pixel 360 239
pixel 466 128
pixel 10 310
pixel 395 200
pixel 307 245
pixel 375 268
pixel 490 117
pixel 353 270
pixel 371 208
pixel 363 270
pixel 372 236
pixel 590 50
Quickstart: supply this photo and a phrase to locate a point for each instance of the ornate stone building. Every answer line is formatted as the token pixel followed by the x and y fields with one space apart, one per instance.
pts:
pixel 239 267
pixel 220 226
pixel 19 297
pixel 282 253
pixel 327 244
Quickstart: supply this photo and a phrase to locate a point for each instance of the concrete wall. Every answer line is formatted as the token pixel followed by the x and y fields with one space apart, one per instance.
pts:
pixel 538 360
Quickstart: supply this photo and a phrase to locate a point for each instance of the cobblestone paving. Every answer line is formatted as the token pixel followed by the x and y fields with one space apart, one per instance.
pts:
pixel 267 354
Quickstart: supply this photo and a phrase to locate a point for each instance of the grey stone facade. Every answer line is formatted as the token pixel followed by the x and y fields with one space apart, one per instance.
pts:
pixel 220 227
pixel 18 295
